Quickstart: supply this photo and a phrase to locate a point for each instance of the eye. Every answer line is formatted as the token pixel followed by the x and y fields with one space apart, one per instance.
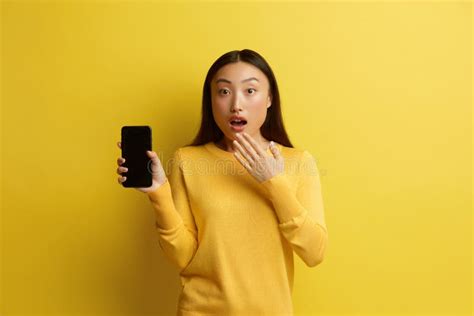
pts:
pixel 251 89
pixel 222 90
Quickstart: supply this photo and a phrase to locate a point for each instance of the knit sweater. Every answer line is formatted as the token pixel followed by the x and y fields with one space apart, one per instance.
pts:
pixel 232 238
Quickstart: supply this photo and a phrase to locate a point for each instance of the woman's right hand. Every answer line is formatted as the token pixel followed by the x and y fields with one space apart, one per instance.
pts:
pixel 158 173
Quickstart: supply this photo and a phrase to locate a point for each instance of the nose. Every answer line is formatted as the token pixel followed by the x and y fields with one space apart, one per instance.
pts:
pixel 236 104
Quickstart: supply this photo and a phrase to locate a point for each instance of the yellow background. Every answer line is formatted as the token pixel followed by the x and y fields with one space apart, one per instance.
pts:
pixel 379 92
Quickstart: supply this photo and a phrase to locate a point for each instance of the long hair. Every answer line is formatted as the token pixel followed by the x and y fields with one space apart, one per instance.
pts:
pixel 272 128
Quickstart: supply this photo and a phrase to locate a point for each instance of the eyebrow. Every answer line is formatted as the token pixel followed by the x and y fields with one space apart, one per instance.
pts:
pixel 225 80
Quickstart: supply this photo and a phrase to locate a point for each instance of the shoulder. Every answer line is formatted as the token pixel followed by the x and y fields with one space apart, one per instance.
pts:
pixel 183 158
pixel 296 154
pixel 300 158
pixel 189 152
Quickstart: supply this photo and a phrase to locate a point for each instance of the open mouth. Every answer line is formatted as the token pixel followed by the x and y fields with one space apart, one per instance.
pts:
pixel 238 123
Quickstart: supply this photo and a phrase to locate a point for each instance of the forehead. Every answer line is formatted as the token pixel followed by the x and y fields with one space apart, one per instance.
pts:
pixel 236 72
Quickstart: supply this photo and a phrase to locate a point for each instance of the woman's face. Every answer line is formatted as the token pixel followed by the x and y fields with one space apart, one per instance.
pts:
pixel 240 89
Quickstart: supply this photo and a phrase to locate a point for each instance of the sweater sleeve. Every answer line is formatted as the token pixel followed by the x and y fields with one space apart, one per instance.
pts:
pixel 301 215
pixel 179 241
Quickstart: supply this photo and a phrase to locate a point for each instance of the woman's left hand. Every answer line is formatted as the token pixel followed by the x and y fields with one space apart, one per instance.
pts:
pixel 255 159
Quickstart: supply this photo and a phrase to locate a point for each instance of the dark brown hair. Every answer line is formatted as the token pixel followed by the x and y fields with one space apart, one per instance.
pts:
pixel 271 129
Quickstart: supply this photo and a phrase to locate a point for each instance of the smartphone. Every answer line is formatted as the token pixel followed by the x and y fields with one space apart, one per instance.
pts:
pixel 136 140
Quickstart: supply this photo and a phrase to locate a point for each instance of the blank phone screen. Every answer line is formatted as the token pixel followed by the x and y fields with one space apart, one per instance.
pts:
pixel 136 140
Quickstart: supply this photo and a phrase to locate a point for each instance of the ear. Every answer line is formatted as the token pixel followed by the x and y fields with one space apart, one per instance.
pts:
pixel 269 101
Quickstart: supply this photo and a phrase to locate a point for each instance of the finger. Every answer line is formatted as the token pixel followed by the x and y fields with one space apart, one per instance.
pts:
pixel 275 151
pixel 120 161
pixel 121 169
pixel 122 179
pixel 242 162
pixel 257 149
pixel 247 147
pixel 243 152
pixel 119 144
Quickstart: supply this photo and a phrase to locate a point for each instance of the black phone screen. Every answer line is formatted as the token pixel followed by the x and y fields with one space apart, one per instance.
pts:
pixel 136 140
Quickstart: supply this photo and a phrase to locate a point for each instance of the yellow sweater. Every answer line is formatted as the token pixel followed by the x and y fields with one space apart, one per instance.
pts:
pixel 233 238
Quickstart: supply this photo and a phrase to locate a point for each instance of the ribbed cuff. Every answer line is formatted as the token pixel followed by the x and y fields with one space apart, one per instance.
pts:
pixel 161 193
pixel 162 201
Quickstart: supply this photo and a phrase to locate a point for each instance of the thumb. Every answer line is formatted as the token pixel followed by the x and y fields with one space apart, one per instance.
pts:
pixel 275 151
pixel 151 154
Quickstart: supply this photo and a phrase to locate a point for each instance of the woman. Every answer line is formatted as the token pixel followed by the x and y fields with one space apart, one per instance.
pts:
pixel 239 200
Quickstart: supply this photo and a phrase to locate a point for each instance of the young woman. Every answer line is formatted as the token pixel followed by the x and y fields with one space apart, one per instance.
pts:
pixel 240 199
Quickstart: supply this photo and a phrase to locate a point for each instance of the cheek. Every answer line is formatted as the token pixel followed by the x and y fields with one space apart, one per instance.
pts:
pixel 259 107
pixel 218 112
pixel 218 103
pixel 262 114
